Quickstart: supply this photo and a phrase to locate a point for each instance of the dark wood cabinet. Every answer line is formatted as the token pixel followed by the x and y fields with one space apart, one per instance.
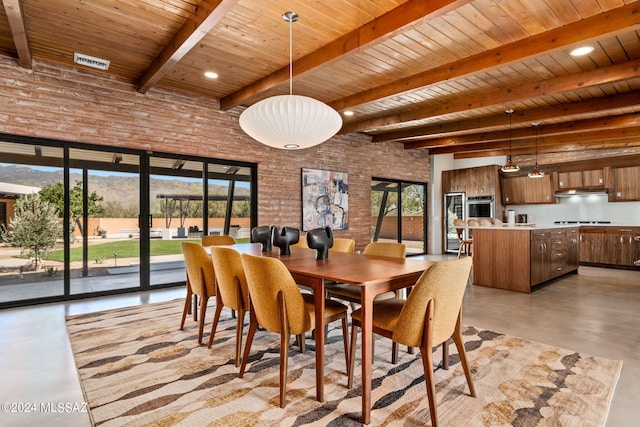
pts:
pixel 478 181
pixel 522 190
pixel 572 249
pixel 610 246
pixel 518 259
pixel 627 184
pixel 540 256
pixel 454 181
pixel 581 179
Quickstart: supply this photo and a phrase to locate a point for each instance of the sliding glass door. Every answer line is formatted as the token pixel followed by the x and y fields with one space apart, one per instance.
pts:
pixel 398 213
pixel 79 220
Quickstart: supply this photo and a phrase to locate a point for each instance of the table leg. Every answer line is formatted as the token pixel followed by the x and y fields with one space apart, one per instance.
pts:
pixel 318 298
pixel 367 352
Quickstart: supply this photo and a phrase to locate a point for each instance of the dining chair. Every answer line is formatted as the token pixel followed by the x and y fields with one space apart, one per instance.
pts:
pixel 341 244
pixel 465 243
pixel 486 222
pixel 200 281
pixel 277 305
pixel 218 240
pixel 351 293
pixel 431 315
pixel 231 291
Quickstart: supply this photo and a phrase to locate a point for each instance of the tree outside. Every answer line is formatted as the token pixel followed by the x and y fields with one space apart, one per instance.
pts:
pixel 34 228
pixel 54 194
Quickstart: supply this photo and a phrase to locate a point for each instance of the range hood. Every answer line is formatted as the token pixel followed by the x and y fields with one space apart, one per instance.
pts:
pixel 582 192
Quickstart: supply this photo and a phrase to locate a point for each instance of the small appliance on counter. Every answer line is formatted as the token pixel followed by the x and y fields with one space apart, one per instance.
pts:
pixel 523 218
pixel 511 217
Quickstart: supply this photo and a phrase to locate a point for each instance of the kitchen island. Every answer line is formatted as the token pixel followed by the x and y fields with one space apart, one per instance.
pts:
pixel 519 257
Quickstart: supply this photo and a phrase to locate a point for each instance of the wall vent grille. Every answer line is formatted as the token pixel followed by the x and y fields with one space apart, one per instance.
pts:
pixel 91 61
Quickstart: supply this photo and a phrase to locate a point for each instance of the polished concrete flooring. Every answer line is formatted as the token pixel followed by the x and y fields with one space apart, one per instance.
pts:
pixel 596 311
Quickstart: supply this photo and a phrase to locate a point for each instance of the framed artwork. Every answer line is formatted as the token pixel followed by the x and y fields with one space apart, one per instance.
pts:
pixel 325 199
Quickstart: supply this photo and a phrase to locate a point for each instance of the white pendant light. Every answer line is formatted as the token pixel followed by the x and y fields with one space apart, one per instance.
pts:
pixel 510 166
pixel 536 172
pixel 290 121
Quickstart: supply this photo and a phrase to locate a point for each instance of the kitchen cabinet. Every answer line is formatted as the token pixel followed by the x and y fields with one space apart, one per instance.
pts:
pixel 581 179
pixel 518 259
pixel 626 184
pixel 454 181
pixel 522 190
pixel 540 256
pixel 610 246
pixel 573 249
pixel 479 181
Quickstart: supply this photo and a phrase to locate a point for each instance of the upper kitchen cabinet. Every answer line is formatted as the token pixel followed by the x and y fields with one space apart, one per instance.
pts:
pixel 593 178
pixel 479 181
pixel 454 181
pixel 626 184
pixel 522 190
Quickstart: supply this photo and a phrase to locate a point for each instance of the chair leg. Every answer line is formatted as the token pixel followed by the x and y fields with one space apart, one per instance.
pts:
pixel 445 355
pixel 394 352
pixel 216 318
pixel 253 326
pixel 345 332
pixel 285 337
pixel 427 364
pixel 203 310
pixel 460 249
pixel 239 329
pixel 457 339
pixel 187 306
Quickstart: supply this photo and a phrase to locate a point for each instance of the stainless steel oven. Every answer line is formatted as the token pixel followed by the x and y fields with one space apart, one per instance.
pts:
pixel 480 207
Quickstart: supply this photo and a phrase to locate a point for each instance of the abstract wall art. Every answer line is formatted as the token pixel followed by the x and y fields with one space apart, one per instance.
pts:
pixel 325 199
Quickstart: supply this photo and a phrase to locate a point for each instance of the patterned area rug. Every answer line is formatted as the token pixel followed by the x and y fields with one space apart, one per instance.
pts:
pixel 137 368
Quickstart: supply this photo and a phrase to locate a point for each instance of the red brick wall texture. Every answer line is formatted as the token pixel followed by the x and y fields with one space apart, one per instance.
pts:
pixel 53 101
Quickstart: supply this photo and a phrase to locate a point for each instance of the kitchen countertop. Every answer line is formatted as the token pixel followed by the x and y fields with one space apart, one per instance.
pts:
pixel 532 226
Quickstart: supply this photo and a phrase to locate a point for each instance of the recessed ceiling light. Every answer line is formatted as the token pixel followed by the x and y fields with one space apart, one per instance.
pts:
pixel 348 113
pixel 581 51
pixel 211 75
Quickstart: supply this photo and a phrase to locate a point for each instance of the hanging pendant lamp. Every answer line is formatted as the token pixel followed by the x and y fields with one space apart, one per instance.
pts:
pixel 290 121
pixel 536 172
pixel 510 166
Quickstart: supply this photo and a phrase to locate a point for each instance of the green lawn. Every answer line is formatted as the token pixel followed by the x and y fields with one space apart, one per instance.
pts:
pixel 124 249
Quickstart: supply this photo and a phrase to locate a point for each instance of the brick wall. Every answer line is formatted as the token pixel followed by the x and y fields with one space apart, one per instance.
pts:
pixel 52 101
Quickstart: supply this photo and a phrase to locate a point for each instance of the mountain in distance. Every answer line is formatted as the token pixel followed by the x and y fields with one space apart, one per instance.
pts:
pixel 119 187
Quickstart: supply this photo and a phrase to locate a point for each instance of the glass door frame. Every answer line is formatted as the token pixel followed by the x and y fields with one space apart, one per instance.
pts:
pixel 399 184
pixel 144 202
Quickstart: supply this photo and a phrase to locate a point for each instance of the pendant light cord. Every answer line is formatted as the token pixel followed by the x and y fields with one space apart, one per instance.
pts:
pixel 290 17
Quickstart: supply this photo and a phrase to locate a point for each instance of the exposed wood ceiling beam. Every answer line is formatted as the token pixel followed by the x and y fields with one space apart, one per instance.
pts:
pixel 206 16
pixel 601 138
pixel 386 26
pixel 15 16
pixel 414 137
pixel 577 147
pixel 610 23
pixel 501 97
pixel 621 121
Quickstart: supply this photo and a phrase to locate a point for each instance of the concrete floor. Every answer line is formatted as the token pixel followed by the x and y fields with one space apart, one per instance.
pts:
pixel 595 312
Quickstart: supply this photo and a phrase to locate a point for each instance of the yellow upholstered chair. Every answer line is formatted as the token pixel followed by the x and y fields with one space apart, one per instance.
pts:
pixel 431 314
pixel 200 281
pixel 231 291
pixel 277 305
pixel 465 243
pixel 351 293
pixel 217 240
pixel 340 244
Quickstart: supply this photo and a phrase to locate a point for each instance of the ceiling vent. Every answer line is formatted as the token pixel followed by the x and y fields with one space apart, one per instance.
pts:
pixel 91 61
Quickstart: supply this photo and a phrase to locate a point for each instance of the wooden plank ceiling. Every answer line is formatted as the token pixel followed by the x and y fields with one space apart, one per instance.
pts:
pixel 431 74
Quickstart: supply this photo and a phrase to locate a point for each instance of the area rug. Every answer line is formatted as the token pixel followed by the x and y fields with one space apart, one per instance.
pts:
pixel 137 369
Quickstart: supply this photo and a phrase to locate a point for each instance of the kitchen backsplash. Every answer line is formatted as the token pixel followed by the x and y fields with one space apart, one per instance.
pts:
pixel 582 208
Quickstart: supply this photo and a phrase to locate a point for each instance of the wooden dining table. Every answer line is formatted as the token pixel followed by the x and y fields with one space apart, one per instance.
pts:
pixel 373 274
